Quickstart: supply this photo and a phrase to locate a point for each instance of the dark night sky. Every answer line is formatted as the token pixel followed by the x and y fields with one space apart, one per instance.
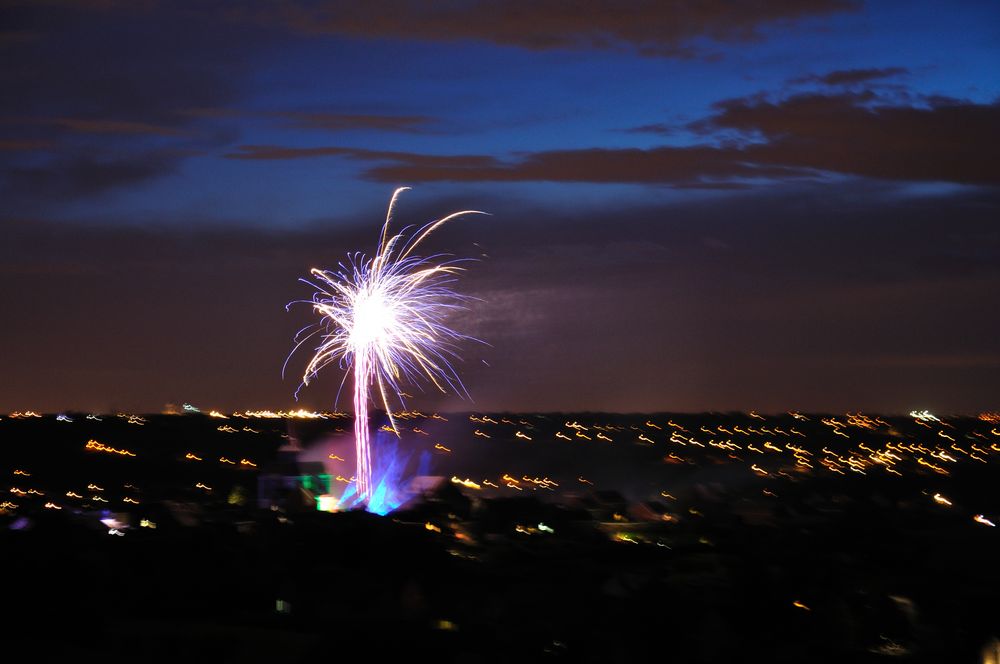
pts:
pixel 696 205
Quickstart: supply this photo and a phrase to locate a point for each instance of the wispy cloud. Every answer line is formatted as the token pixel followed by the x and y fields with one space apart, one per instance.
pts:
pixel 666 28
pixel 853 76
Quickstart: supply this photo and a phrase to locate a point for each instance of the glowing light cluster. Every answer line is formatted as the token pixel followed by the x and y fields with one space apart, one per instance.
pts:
pixel 300 414
pixel 384 318
pixel 96 446
pixel 22 415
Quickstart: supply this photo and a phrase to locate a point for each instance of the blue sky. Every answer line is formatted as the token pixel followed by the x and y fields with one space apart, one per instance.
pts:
pixel 665 130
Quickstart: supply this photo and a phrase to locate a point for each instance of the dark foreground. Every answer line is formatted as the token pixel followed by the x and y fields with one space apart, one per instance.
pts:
pixel 785 565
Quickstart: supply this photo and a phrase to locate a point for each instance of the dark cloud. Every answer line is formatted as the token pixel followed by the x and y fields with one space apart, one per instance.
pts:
pixel 128 66
pixel 768 300
pixel 661 128
pixel 656 166
pixel 69 177
pixel 91 5
pixel 99 126
pixel 945 140
pixel 277 152
pixel 853 76
pixel 19 145
pixel 98 86
pixel 663 28
pixel 324 121
pixel 118 69
pixel 668 165
pixel 10 38
pixel 853 133
pixel 346 121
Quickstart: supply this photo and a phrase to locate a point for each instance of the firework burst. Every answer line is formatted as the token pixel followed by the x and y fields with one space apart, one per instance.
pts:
pixel 383 319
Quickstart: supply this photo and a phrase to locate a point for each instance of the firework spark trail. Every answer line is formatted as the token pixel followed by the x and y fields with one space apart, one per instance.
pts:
pixel 384 318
